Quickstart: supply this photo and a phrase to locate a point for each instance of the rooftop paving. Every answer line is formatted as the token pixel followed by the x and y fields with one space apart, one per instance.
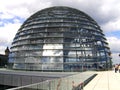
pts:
pixel 105 80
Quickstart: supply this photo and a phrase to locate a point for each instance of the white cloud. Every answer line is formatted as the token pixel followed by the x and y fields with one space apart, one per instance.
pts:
pixel 112 26
pixel 21 8
pixel 9 30
pixel 3 45
pixel 2 49
pixel 116 58
pixel 6 15
pixel 7 34
pixel 114 43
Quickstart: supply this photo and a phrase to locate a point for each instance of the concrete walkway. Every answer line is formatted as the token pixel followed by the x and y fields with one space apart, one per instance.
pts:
pixel 105 80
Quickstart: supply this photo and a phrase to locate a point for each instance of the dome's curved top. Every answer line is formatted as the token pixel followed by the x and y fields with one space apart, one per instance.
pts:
pixel 59 12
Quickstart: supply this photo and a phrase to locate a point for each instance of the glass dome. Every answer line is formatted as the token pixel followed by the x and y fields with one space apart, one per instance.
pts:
pixel 59 38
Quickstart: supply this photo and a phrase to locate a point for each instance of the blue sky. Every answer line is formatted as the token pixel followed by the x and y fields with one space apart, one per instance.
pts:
pixel 105 12
pixel 112 34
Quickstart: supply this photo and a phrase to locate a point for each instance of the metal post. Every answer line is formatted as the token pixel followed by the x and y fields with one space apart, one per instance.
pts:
pixel 82 60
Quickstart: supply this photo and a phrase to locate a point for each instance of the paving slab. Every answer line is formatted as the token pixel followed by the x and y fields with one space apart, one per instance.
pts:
pixel 105 80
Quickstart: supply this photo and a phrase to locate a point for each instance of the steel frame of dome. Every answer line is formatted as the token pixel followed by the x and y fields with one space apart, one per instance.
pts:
pixel 59 38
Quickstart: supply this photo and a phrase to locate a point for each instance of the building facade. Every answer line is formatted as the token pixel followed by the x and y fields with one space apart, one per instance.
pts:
pixel 59 38
pixel 4 58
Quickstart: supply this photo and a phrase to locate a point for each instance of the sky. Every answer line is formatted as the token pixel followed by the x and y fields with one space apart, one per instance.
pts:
pixel 105 12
